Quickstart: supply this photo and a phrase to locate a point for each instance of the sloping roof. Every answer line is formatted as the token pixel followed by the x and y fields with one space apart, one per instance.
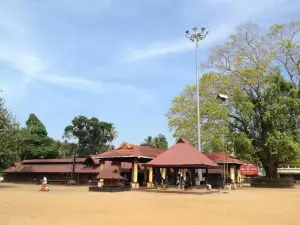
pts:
pixel 65 160
pixel 44 166
pixel 220 157
pixel 126 150
pixel 56 168
pixel 183 155
pixel 110 173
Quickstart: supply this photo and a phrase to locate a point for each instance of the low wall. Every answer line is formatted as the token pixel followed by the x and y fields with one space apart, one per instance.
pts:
pixel 108 189
pixel 263 182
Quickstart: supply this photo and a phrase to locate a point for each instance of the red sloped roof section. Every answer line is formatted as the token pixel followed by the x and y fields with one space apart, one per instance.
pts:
pixel 182 154
pixel 65 160
pixel 110 173
pixel 131 150
pixel 23 168
pixel 220 157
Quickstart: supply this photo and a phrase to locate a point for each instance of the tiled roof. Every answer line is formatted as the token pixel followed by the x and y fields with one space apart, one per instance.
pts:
pixel 182 154
pixel 110 173
pixel 45 168
pixel 49 166
pixel 130 151
pixel 220 157
pixel 65 160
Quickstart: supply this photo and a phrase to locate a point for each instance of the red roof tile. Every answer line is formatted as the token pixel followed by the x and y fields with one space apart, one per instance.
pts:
pixel 110 173
pixel 57 168
pixel 65 160
pixel 182 154
pixel 220 157
pixel 130 150
pixel 62 166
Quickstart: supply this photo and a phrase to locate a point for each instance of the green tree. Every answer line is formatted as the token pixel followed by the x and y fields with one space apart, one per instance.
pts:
pixel 93 136
pixel 66 149
pixel 159 142
pixel 9 138
pixel 182 116
pixel 36 143
pixel 263 108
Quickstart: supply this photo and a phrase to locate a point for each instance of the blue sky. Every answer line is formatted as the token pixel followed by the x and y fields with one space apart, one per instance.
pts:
pixel 121 61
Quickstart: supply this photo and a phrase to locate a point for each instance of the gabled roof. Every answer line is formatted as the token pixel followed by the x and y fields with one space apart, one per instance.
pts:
pixel 49 161
pixel 126 150
pixel 43 168
pixel 92 159
pixel 110 173
pixel 220 158
pixel 182 155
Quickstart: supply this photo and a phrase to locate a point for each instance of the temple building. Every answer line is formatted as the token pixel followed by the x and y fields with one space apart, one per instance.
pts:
pixel 138 165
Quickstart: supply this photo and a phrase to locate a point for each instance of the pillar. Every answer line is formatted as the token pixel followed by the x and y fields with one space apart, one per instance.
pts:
pixel 101 181
pixel 145 176
pixel 232 175
pixel 163 172
pixel 150 178
pixel 134 174
pixel 184 173
pixel 193 176
pixel 239 177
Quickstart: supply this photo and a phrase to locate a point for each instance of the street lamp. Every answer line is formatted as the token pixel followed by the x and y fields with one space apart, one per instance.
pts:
pixel 224 98
pixel 195 36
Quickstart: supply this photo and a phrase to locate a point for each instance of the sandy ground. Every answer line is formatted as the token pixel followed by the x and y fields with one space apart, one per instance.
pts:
pixel 25 205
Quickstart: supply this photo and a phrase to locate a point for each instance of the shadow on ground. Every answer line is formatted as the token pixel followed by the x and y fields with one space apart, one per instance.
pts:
pixel 6 186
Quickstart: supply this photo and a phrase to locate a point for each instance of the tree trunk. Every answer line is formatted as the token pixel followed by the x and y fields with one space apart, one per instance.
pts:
pixel 271 170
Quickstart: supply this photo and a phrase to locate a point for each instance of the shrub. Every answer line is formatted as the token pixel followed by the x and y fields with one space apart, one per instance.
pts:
pixel 285 182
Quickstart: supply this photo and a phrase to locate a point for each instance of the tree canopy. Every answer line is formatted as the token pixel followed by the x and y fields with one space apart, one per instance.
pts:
pixel 93 136
pixel 9 137
pixel 85 136
pixel 159 142
pixel 259 71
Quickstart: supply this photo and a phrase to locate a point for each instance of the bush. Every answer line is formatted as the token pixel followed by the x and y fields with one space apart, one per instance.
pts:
pixel 272 183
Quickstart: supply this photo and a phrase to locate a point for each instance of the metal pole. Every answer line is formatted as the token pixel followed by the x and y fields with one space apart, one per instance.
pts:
pixel 224 164
pixel 198 101
pixel 196 36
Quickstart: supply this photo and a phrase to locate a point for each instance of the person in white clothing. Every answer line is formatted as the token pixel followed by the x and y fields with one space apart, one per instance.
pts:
pixel 1 179
pixel 44 180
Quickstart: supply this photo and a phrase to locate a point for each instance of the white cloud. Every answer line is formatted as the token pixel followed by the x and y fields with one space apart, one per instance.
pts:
pixel 235 12
pixel 32 68
pixel 178 46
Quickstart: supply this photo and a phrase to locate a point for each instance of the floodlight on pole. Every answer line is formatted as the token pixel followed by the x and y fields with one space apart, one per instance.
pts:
pixel 195 36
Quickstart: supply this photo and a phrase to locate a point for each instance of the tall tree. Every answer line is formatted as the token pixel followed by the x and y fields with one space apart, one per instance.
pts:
pixel 93 136
pixel 9 138
pixel 160 142
pixel 36 143
pixel 182 116
pixel 263 107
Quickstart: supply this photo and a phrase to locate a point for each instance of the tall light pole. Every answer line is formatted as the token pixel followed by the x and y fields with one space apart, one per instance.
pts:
pixel 224 98
pixel 195 36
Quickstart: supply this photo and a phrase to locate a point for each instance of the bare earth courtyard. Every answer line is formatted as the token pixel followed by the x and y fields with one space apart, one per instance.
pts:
pixel 24 204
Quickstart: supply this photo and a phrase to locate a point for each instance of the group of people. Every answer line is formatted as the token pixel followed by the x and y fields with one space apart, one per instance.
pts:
pixel 183 182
